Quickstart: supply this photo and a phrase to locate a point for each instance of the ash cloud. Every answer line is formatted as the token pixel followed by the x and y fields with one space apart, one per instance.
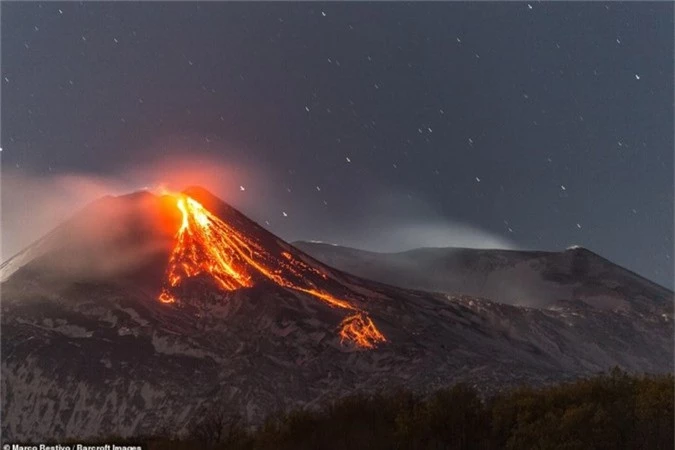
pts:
pixel 386 219
pixel 380 219
pixel 34 204
pixel 427 233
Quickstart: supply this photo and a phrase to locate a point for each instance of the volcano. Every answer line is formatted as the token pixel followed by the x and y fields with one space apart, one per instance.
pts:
pixel 236 254
pixel 142 310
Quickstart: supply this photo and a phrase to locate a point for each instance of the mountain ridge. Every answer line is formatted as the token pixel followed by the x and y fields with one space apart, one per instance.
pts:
pixel 93 354
pixel 533 252
pixel 418 265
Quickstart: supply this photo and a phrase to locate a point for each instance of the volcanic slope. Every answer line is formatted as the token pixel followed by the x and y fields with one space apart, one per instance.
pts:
pixel 142 310
pixel 574 277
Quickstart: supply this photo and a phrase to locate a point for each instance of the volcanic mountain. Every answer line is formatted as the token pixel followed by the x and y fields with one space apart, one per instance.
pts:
pixel 143 310
pixel 576 276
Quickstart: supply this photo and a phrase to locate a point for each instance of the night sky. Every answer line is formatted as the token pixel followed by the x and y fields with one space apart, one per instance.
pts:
pixel 378 125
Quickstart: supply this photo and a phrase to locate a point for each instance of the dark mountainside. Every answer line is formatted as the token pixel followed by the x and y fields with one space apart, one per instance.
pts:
pixel 576 276
pixel 88 350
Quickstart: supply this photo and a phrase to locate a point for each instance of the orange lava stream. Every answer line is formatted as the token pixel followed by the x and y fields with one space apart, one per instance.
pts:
pixel 360 329
pixel 206 244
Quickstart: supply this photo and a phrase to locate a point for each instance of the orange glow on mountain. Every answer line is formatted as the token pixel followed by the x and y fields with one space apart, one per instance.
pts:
pixel 360 329
pixel 205 244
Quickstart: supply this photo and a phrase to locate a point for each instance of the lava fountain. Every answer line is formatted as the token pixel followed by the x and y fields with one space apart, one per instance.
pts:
pixel 205 244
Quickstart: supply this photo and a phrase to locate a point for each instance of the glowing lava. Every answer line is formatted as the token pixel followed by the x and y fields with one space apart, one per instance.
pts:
pixel 360 329
pixel 207 245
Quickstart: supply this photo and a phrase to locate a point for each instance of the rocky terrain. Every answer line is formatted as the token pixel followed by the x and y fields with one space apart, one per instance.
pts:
pixel 88 349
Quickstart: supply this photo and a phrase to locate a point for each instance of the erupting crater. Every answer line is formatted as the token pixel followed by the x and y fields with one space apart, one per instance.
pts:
pixel 207 245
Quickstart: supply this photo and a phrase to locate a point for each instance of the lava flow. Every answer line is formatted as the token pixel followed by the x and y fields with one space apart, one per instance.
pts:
pixel 205 244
